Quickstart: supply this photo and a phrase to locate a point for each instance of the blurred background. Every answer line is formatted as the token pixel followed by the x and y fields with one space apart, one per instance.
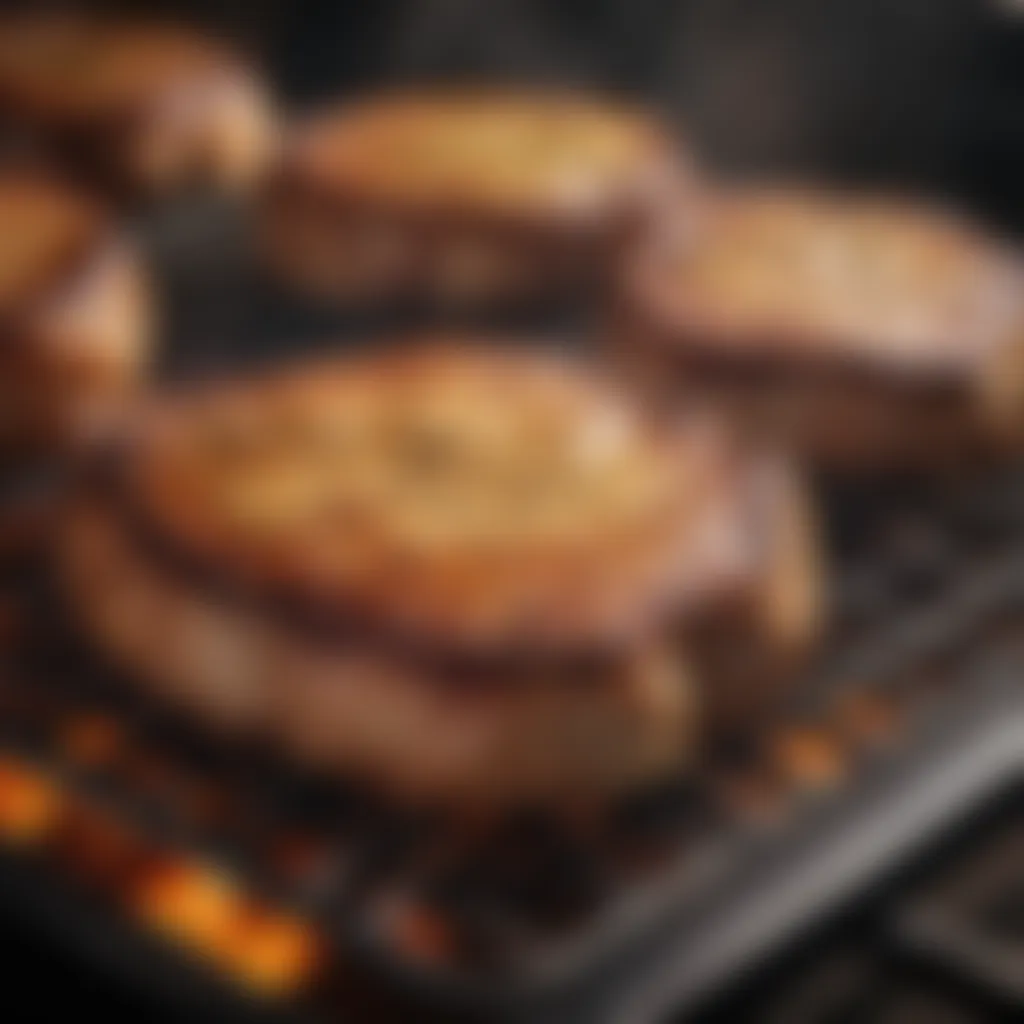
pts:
pixel 921 92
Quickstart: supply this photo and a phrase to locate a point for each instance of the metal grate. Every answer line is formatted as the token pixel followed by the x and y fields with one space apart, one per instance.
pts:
pixel 896 957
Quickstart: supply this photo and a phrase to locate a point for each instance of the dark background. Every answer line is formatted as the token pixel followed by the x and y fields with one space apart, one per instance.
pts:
pixel 911 93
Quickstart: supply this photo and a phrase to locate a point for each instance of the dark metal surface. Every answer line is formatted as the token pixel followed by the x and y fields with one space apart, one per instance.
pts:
pixel 968 919
pixel 862 968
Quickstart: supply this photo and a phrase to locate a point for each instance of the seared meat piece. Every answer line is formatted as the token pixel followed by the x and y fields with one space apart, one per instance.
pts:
pixel 147 107
pixel 74 318
pixel 869 332
pixel 468 577
pixel 475 199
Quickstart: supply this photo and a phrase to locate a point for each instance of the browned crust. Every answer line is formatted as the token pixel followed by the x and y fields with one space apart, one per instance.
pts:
pixel 329 158
pixel 536 738
pixel 549 734
pixel 574 707
pixel 515 544
pixel 146 106
pixel 73 227
pixel 345 218
pixel 850 390
pixel 74 328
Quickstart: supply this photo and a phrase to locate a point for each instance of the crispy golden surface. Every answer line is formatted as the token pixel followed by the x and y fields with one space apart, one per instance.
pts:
pixel 499 153
pixel 467 576
pixel 468 198
pixel 143 106
pixel 78 67
pixel 475 498
pixel 74 318
pixel 843 278
pixel 46 231
pixel 865 332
